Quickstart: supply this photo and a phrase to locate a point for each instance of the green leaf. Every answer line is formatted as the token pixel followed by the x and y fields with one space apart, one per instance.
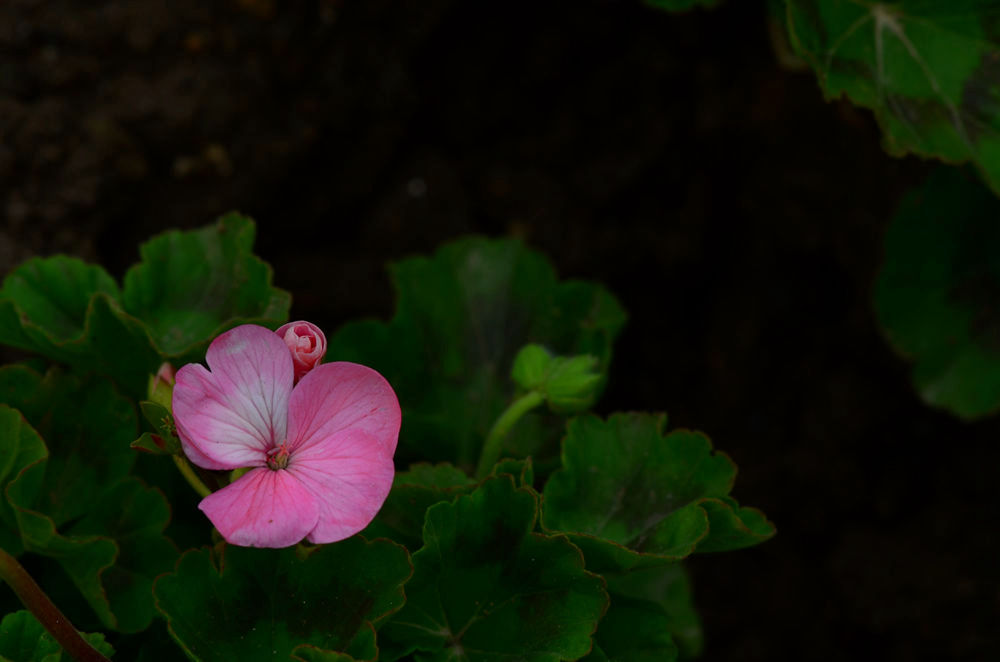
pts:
pixel 87 426
pixel 113 545
pixel 461 317
pixel 485 587
pixel 44 304
pixel 936 296
pixel 929 70
pixel 23 639
pixel 401 517
pixel 70 312
pixel 634 631
pixel 668 587
pixel 264 603
pixel 632 495
pixel 522 471
pixel 134 516
pixel 192 286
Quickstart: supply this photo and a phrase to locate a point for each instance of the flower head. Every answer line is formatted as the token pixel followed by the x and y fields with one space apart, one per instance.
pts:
pixel 320 450
pixel 307 343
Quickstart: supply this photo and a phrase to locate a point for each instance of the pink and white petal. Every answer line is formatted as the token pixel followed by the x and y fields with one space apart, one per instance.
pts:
pixel 350 476
pixel 231 416
pixel 341 396
pixel 263 508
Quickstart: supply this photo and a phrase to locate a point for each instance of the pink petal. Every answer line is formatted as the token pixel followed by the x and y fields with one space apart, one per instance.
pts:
pixel 340 396
pixel 264 508
pixel 349 475
pixel 229 417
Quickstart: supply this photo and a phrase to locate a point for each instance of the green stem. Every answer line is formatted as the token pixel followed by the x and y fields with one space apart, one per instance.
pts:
pixel 192 478
pixel 510 416
pixel 48 614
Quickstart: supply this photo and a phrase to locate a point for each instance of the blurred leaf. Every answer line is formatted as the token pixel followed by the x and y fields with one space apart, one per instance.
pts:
pixel 929 70
pixel 461 317
pixel 192 286
pixel 23 639
pixel 485 587
pixel 264 603
pixel 938 294
pixel 633 496
pixel 634 631
pixel 668 587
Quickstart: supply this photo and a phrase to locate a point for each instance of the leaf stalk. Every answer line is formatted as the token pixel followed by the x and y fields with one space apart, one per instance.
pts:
pixel 494 440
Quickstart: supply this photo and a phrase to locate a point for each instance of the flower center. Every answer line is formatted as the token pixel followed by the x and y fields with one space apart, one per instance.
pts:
pixel 277 458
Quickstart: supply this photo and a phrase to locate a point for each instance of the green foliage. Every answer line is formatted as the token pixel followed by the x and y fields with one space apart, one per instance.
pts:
pixel 250 604
pixel 630 495
pixel 78 506
pixel 936 294
pixel 486 587
pixel 929 70
pixel 23 639
pixel 190 287
pixel 461 316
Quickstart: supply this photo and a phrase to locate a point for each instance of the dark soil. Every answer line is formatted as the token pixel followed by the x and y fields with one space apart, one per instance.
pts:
pixel 738 216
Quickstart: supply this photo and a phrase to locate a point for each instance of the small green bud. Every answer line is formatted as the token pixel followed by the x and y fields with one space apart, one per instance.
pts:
pixel 572 383
pixel 531 365
pixel 161 386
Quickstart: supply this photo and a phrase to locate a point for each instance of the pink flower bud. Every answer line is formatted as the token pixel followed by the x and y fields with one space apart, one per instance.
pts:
pixel 166 374
pixel 307 343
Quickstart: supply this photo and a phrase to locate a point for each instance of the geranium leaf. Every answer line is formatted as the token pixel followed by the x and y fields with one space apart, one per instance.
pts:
pixel 927 69
pixel 634 496
pixel 667 586
pixel 936 296
pixel 485 587
pixel 87 426
pixel 192 286
pixel 264 603
pixel 77 506
pixel 461 317
pixel 401 517
pixel 634 631
pixel 23 639
pixel 44 304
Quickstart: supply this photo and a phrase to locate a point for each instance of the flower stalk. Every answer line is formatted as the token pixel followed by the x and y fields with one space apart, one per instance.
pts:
pixel 190 476
pixel 494 440
pixel 39 604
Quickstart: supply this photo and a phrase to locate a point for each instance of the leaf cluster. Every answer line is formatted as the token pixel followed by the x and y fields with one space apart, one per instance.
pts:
pixel 570 548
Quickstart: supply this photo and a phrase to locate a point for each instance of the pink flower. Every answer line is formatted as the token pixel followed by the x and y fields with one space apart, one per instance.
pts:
pixel 308 345
pixel 321 452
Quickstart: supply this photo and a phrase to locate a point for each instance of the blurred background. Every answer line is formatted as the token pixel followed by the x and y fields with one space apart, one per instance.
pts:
pixel 738 216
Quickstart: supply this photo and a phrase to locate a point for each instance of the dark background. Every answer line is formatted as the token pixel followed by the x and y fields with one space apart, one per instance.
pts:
pixel 737 215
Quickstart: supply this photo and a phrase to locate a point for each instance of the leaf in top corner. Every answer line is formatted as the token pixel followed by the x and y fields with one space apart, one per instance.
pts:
pixel 938 294
pixel 929 69
pixel 44 304
pixel 461 317
pixel 191 286
pixel 630 495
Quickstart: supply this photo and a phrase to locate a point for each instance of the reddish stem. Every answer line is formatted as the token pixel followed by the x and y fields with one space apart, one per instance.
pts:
pixel 48 614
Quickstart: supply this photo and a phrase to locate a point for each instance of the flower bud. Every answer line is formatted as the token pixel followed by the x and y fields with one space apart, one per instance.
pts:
pixel 307 344
pixel 161 385
pixel 573 383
